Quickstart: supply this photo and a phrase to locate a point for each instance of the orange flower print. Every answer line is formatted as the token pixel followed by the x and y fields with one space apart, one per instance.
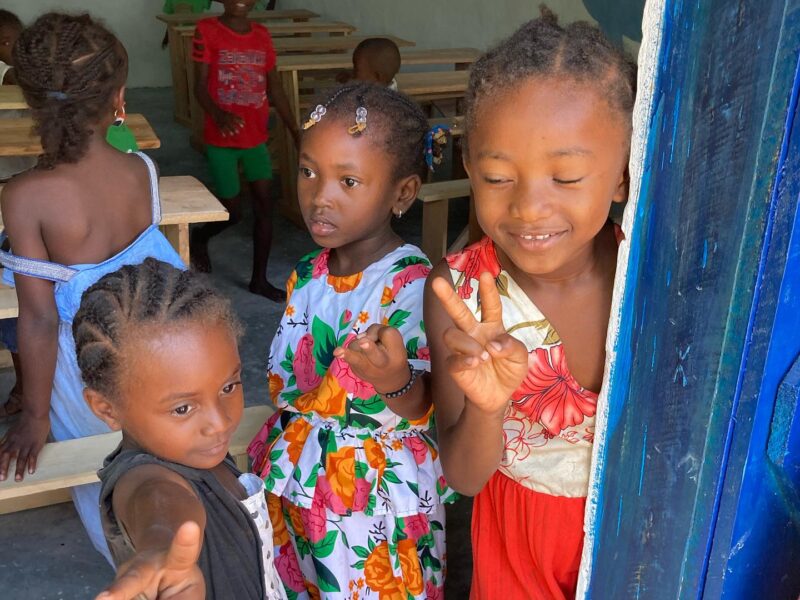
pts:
pixel 409 565
pixel 397 445
pixel 296 519
pixel 387 296
pixel 375 455
pixel 289 310
pixel 275 386
pixel 327 400
pixel 363 316
pixel 340 468
pixel 295 434
pixel 379 575
pixel 290 283
pixel 313 591
pixel 280 535
pixel 342 285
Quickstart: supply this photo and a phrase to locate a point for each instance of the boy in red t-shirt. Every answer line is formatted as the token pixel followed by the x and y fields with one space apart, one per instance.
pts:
pixel 235 66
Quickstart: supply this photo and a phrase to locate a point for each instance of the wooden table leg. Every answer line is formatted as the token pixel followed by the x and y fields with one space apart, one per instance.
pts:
pixel 178 236
pixel 288 161
pixel 434 229
pixel 180 82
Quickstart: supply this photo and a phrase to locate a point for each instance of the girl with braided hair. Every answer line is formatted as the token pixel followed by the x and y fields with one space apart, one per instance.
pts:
pixel 356 495
pixel 84 211
pixel 517 322
pixel 157 351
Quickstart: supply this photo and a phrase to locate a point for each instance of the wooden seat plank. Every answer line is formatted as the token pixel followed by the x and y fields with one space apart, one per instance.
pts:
pixel 408 56
pixel 285 29
pixel 293 14
pixel 329 44
pixel 11 98
pixel 17 137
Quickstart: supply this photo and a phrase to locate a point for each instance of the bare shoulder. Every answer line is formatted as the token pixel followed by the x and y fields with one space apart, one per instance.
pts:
pixel 27 194
pixel 150 484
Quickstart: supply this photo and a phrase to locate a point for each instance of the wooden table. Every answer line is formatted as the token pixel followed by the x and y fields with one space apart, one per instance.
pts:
pixel 297 15
pixel 184 200
pixel 11 98
pixel 17 137
pixel 180 52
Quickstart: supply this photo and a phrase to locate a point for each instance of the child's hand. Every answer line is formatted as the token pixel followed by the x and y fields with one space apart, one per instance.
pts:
pixel 23 442
pixel 166 574
pixel 486 362
pixel 378 356
pixel 228 123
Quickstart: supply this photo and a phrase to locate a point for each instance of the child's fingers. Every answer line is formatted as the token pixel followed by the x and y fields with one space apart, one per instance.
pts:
pixel 491 308
pixel 460 343
pixel 185 548
pixel 507 347
pixel 453 305
pixel 391 339
pixel 131 585
pixel 457 363
pixel 373 354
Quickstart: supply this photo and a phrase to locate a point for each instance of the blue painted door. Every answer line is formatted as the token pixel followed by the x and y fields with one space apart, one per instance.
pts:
pixel 698 493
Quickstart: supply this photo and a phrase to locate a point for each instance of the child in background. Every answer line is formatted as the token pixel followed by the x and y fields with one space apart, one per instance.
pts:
pixel 376 60
pixel 86 210
pixel 235 70
pixel 548 128
pixel 10 28
pixel 355 488
pixel 157 351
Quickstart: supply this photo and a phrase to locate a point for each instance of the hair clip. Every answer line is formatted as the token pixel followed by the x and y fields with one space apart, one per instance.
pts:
pixel 315 116
pixel 436 136
pixel 56 95
pixel 361 118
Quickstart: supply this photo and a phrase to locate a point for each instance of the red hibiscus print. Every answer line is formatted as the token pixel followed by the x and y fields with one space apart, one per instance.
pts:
pixel 314 520
pixel 407 275
pixel 473 261
pixel 361 496
pixel 289 569
pixel 320 265
pixel 415 526
pixel 351 382
pixel 304 366
pixel 258 447
pixel 329 499
pixel 423 353
pixel 550 395
pixel 433 592
pixel 418 448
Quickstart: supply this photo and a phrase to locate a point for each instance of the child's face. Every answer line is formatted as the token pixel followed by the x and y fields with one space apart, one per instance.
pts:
pixel 545 161
pixel 345 185
pixel 8 37
pixel 181 394
pixel 238 8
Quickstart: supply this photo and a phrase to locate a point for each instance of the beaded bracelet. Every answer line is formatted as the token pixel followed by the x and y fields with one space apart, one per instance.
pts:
pixel 414 374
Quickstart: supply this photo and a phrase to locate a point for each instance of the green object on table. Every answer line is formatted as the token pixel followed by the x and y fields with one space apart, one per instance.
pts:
pixel 196 6
pixel 122 138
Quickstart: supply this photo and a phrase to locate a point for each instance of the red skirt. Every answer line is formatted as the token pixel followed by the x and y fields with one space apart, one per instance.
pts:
pixel 525 544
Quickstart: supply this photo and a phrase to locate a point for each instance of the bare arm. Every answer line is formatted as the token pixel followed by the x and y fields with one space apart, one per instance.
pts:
pixel 165 520
pixel 278 98
pixel 475 367
pixel 37 331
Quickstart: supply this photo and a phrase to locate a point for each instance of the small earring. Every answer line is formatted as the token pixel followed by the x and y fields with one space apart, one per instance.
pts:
pixel 119 115
pixel 399 214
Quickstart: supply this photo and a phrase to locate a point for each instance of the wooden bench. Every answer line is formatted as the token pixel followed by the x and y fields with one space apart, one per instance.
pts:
pixel 63 465
pixel 17 137
pixel 184 200
pixel 297 15
pixel 11 98
pixel 435 198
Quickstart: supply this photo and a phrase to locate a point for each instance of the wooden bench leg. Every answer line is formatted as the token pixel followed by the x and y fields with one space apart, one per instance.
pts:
pixel 178 236
pixel 47 498
pixel 434 229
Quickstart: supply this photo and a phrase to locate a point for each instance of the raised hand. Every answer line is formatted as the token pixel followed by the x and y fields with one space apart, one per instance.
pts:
pixel 485 362
pixel 378 356
pixel 171 573
pixel 23 442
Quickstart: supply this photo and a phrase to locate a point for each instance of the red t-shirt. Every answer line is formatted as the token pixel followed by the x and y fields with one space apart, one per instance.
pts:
pixel 238 64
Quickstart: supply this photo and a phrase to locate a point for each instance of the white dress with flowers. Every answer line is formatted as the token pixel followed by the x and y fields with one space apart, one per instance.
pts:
pixel 356 492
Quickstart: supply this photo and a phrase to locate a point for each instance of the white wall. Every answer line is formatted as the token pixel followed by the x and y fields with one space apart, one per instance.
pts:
pixel 132 21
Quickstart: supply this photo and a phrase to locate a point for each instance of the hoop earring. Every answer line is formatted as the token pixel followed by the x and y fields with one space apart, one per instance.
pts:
pixel 119 115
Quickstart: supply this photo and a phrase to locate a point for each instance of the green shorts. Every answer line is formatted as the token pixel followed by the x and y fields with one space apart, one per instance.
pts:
pixel 224 166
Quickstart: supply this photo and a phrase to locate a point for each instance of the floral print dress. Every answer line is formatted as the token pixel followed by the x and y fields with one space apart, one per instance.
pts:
pixel 527 528
pixel 356 492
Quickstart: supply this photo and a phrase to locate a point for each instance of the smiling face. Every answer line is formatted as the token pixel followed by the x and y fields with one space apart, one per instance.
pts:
pixel 180 396
pixel 238 8
pixel 347 188
pixel 546 159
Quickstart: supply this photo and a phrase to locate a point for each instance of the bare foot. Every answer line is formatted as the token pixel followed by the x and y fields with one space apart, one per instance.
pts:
pixel 269 291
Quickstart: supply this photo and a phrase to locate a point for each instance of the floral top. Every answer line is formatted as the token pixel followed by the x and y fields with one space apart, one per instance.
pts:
pixel 334 436
pixel 549 426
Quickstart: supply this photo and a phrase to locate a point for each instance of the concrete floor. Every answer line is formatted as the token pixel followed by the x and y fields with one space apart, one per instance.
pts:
pixel 44 553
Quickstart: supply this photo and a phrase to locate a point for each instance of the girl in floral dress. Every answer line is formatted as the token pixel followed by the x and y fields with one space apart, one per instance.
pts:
pixel 355 487
pixel 548 128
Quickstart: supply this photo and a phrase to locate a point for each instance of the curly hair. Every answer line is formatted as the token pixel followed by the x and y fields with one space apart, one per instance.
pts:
pixel 125 303
pixel 541 47
pixel 68 67
pixel 394 121
pixel 7 18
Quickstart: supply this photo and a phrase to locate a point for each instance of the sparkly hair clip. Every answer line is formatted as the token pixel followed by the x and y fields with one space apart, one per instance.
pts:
pixel 361 118
pixel 435 139
pixel 56 95
pixel 315 116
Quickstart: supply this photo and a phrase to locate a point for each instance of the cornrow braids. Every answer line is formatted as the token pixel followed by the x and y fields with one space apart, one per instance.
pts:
pixel 393 121
pixel 69 68
pixel 121 304
pixel 541 47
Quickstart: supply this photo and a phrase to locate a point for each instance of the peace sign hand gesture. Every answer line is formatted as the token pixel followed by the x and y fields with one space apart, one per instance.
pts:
pixel 485 362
